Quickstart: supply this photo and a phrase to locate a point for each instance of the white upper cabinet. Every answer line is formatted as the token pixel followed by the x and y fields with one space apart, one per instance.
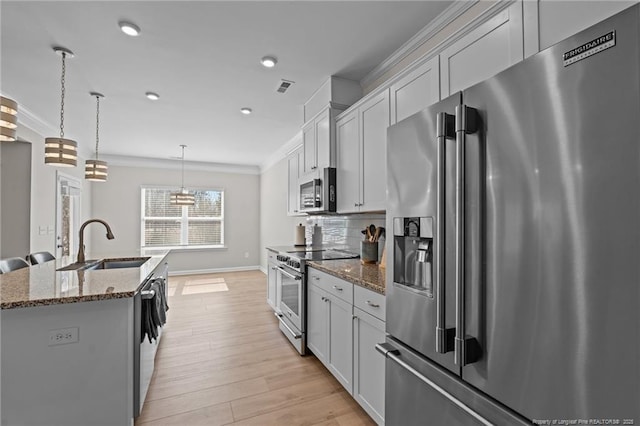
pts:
pixel 374 121
pixel 319 143
pixel 561 19
pixel 485 51
pixel 416 90
pixel 361 155
pixel 348 162
pixel 294 163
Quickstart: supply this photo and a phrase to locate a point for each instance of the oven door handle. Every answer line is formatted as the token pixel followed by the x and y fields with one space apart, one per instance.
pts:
pixel 279 315
pixel 290 275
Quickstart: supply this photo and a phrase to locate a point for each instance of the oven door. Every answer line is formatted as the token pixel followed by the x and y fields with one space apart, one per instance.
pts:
pixel 291 306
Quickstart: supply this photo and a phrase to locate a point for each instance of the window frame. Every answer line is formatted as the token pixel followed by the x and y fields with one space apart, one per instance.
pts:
pixel 184 220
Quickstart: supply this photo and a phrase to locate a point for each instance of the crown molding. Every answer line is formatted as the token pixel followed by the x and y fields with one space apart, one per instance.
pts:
pixel 30 121
pixel 162 163
pixel 456 9
pixel 282 152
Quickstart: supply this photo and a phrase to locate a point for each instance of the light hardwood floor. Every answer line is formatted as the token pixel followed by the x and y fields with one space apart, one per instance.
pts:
pixel 222 360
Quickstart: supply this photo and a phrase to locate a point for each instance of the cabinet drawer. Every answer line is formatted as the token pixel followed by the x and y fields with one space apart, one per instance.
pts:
pixel 369 301
pixel 332 285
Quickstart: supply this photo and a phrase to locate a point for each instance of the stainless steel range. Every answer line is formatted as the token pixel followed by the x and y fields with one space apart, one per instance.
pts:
pixel 293 288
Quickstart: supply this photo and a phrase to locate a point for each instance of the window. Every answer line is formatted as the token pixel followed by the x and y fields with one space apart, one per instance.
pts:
pixel 165 225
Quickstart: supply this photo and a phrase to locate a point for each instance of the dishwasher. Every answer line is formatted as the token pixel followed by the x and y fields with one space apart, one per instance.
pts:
pixel 144 350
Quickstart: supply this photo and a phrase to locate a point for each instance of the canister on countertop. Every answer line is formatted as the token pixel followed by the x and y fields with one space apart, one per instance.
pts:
pixel 300 239
pixel 316 236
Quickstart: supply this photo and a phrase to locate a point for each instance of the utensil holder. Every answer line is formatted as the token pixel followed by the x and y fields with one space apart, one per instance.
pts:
pixel 368 252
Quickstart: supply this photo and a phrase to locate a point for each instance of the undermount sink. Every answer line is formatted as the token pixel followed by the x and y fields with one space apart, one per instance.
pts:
pixel 112 263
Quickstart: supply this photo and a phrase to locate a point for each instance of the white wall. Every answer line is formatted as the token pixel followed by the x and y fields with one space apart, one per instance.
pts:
pixel 16 191
pixel 43 192
pixel 276 228
pixel 117 201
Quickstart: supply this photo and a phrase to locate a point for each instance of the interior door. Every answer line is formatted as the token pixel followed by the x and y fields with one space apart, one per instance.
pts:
pixel 556 170
pixel 68 209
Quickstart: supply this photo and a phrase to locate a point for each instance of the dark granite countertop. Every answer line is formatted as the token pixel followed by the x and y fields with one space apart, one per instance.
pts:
pixel 366 275
pixel 42 284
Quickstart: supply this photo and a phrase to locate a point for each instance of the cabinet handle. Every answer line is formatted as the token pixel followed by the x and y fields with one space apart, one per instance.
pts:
pixel 316 278
pixel 322 298
pixel 355 204
pixel 373 305
pixel 335 287
pixel 354 317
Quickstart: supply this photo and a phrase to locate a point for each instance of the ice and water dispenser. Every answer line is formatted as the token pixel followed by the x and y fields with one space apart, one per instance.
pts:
pixel 413 253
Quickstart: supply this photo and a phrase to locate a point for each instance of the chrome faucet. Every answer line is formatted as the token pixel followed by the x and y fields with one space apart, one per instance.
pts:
pixel 81 249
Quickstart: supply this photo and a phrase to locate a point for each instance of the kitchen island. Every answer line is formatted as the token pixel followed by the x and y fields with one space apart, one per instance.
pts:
pixel 68 343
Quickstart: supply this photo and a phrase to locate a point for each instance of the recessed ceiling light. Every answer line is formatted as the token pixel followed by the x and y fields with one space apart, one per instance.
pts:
pixel 269 61
pixel 129 28
pixel 246 111
pixel 152 96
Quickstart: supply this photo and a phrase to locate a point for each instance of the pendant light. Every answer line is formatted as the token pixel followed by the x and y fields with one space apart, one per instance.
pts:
pixel 182 197
pixel 8 119
pixel 60 151
pixel 96 170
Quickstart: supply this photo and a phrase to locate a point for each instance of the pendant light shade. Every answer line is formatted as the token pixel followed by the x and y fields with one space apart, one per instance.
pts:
pixel 182 197
pixel 60 151
pixel 8 119
pixel 96 170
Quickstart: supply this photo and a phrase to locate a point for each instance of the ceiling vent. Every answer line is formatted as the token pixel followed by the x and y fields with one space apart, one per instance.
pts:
pixel 284 86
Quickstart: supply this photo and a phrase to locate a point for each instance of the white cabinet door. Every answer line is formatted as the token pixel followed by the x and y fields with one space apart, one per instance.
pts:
pixel 348 163
pixel 317 322
pixel 340 350
pixel 492 47
pixel 309 148
pixel 271 285
pixel 323 141
pixel 294 163
pixel 374 120
pixel 561 19
pixel 416 91
pixel 368 364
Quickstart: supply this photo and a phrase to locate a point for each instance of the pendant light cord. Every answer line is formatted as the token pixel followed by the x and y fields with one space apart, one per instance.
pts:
pixel 97 124
pixel 62 97
pixel 183 146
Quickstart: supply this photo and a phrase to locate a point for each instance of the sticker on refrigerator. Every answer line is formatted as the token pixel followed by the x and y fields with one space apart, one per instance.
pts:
pixel 596 45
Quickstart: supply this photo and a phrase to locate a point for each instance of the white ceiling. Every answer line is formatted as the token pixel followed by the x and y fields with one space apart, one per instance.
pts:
pixel 202 57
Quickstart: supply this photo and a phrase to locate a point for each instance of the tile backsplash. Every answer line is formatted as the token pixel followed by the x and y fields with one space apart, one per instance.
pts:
pixel 343 230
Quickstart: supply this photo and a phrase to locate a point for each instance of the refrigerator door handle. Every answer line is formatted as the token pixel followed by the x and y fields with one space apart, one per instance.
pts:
pixel 393 354
pixel 466 349
pixel 445 129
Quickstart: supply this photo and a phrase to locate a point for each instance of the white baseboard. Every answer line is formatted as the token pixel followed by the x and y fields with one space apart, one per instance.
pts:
pixel 263 270
pixel 215 270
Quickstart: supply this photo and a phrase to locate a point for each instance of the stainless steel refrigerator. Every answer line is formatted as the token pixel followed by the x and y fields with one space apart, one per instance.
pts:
pixel 513 225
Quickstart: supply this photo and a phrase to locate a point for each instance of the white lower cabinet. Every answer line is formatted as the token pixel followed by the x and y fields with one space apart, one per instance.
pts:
pixel 272 277
pixel 343 337
pixel 340 353
pixel 368 364
pixel 317 321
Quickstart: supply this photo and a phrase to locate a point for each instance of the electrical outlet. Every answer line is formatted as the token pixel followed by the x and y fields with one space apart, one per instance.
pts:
pixel 63 336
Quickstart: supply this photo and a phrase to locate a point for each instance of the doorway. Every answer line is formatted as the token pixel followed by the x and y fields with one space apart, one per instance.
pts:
pixel 68 203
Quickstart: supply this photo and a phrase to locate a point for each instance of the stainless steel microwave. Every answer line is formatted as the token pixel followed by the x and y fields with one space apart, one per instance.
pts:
pixel 319 195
